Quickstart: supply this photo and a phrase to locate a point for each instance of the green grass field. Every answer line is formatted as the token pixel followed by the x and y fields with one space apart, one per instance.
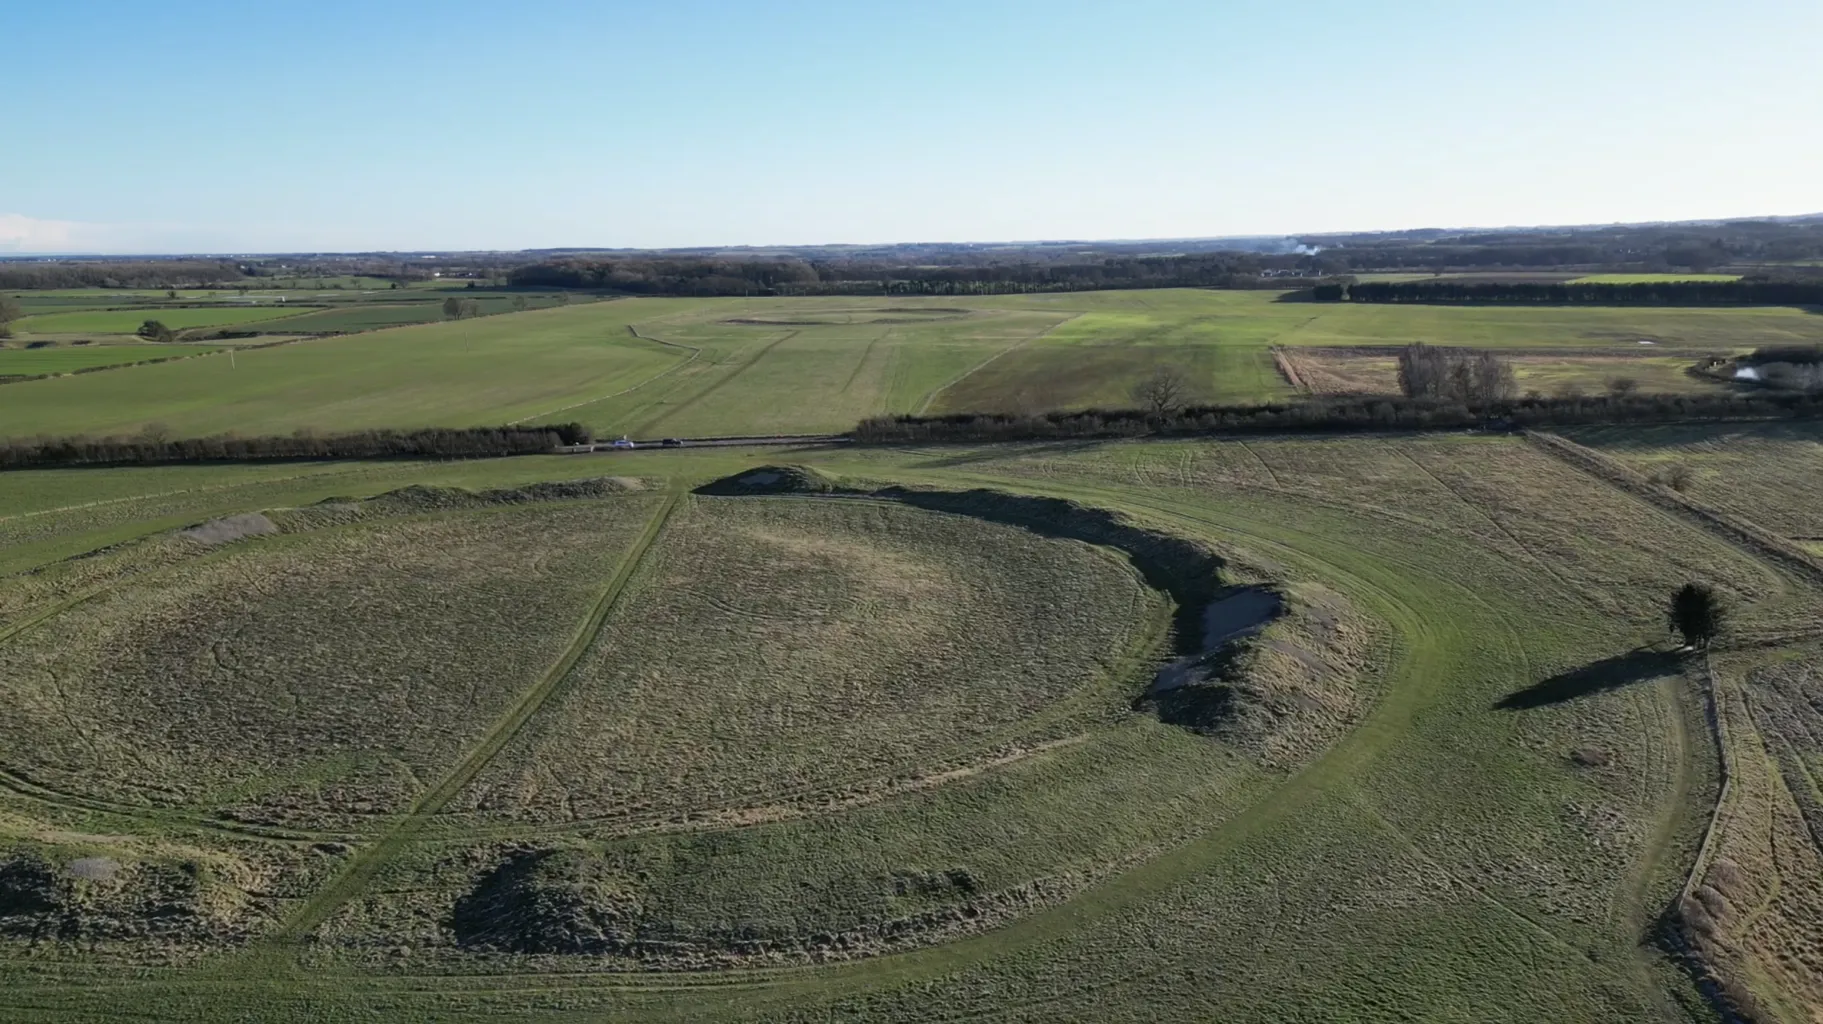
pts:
pixel 365 316
pixel 391 309
pixel 485 370
pixel 565 738
pixel 126 321
pixel 65 358
pixel 1512 804
pixel 1651 278
pixel 725 366
pixel 332 305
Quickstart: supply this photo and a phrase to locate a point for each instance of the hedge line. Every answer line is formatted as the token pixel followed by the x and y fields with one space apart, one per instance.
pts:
pixel 1341 415
pixel 149 449
pixel 1644 293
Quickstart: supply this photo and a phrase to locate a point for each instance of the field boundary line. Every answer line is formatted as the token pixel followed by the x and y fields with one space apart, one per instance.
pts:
pixel 1718 728
pixel 362 867
pixel 1745 535
pixel 1281 360
pixel 666 372
pixel 971 371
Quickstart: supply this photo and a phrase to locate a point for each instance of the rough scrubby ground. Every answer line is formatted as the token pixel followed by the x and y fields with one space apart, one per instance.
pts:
pixel 1512 807
pixel 305 680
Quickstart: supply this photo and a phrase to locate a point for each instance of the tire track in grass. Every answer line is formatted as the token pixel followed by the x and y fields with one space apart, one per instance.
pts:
pixel 632 329
pixel 362 867
pixel 651 425
pixel 1488 517
pixel 1428 639
pixel 1415 607
pixel 866 354
pixel 1411 679
pixel 924 406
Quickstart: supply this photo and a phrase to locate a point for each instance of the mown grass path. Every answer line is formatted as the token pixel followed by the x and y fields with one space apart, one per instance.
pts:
pixel 361 868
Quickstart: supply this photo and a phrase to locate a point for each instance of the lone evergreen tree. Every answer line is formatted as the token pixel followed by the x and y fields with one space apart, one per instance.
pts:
pixel 1696 613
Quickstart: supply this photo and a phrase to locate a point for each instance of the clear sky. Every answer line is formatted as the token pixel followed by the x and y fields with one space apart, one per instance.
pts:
pixel 131 126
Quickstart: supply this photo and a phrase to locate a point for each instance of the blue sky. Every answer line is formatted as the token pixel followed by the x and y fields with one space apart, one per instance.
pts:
pixel 201 126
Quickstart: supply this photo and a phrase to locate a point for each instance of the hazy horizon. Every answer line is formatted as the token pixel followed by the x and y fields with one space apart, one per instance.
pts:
pixel 582 247
pixel 707 124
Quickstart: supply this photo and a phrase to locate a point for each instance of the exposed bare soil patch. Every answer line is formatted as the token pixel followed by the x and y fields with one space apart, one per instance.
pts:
pixel 230 528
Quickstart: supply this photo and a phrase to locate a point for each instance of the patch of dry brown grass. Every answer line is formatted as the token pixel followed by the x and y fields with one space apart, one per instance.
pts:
pixel 1754 912
pixel 314 679
pixel 774 650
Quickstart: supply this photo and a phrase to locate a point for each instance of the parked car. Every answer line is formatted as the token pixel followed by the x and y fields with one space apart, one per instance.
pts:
pixel 672 442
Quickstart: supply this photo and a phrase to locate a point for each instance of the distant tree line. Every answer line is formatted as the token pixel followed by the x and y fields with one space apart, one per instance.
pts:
pixel 168 274
pixel 1652 247
pixel 1755 292
pixel 765 277
pixel 154 447
pixel 1344 415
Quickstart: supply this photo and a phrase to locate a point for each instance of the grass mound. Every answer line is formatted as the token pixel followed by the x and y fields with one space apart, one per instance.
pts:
pixel 1190 573
pixel 421 500
pixel 772 653
pixel 230 528
pixel 554 901
pixel 770 480
pixel 437 499
pixel 314 678
pixel 549 901
pixel 91 899
pixel 1277 675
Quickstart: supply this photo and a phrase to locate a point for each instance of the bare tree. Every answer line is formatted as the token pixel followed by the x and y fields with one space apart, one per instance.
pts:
pixel 1162 392
pixel 1493 378
pixel 1621 387
pixel 1459 375
pixel 452 309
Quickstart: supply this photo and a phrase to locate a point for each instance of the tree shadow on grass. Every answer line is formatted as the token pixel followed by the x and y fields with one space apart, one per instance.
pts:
pixel 1637 665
